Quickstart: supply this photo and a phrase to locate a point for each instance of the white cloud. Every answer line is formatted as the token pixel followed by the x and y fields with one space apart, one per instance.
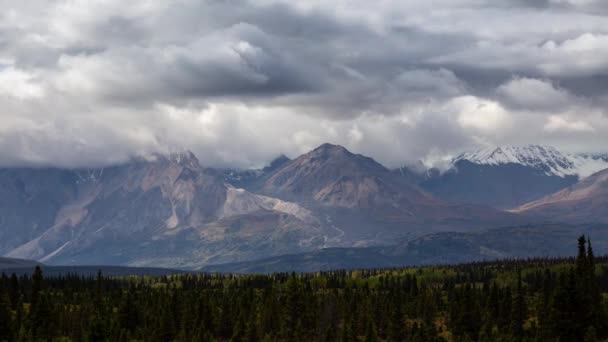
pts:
pixel 19 84
pixel 533 93
pixel 95 82
pixel 482 115
pixel 557 123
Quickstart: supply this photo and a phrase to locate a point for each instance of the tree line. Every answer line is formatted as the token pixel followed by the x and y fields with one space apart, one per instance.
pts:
pixel 510 300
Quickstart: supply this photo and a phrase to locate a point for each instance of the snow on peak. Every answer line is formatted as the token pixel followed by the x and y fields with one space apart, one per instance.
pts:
pixel 544 158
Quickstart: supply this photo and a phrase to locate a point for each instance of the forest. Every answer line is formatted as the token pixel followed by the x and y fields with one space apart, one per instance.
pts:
pixel 511 300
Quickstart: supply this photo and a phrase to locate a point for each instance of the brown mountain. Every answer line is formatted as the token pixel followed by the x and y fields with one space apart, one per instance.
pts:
pixel 585 201
pixel 333 176
pixel 162 210
pixel 367 202
pixel 167 210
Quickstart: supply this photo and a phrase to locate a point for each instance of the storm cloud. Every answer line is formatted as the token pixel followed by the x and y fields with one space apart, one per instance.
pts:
pixel 90 83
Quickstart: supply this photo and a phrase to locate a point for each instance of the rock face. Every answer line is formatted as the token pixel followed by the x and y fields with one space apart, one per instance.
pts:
pixel 161 211
pixel 506 177
pixel 365 202
pixel 168 211
pixel 331 175
pixel 583 202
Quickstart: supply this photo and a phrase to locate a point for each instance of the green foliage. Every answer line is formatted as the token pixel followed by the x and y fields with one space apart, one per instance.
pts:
pixel 510 300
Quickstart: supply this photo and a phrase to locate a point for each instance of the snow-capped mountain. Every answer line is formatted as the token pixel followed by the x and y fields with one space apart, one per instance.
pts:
pixel 509 176
pixel 543 158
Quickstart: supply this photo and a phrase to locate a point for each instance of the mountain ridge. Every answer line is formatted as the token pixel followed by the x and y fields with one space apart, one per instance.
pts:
pixel 581 202
pixel 543 158
pixel 167 210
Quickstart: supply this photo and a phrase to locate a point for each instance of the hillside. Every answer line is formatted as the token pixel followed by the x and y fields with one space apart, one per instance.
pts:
pixel 585 201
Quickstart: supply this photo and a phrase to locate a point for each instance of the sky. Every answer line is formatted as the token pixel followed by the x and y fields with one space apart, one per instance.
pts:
pixel 93 83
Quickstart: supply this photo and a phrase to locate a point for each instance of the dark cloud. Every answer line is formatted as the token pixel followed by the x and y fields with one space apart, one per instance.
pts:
pixel 239 82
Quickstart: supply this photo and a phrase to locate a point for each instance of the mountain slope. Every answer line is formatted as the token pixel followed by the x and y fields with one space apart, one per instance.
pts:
pixel 586 201
pixel 367 203
pixel 501 186
pixel 509 176
pixel 10 263
pixel 541 240
pixel 331 175
pixel 163 210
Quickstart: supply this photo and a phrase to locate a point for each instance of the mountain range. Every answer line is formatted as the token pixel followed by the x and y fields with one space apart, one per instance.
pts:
pixel 330 205
pixel 510 176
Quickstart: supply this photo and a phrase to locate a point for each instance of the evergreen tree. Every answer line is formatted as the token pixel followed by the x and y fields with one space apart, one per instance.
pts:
pixel 519 312
pixel 6 321
pixel 37 281
pixel 370 332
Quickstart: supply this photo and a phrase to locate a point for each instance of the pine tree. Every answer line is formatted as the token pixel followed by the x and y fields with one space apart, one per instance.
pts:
pixel 396 325
pixel 41 321
pixel 127 313
pixel 13 291
pixel 519 313
pixel 371 334
pixel 37 282
pixel 6 321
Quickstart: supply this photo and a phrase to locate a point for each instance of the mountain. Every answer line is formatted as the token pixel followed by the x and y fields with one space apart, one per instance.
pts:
pixel 539 240
pixel 364 202
pixel 161 211
pixel 545 159
pixel 168 211
pixel 332 175
pixel 585 201
pixel 506 177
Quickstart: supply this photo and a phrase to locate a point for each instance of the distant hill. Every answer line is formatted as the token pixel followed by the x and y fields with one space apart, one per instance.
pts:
pixel 543 240
pixel 20 266
pixel 585 201
pixel 8 263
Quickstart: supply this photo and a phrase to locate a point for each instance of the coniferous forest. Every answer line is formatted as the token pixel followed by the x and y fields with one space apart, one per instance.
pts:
pixel 511 300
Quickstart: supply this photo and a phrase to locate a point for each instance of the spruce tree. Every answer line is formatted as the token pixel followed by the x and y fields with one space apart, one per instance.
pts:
pixel 6 321
pixel 519 312
pixel 37 281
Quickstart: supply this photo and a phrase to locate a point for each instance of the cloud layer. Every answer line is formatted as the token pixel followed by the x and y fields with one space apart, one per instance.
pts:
pixel 88 83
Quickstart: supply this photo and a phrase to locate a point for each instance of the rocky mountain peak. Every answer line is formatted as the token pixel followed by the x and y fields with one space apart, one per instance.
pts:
pixel 328 149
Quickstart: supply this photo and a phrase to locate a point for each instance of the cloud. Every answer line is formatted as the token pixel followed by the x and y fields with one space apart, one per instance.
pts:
pixel 531 93
pixel 487 117
pixel 94 83
pixel 560 124
pixel 19 84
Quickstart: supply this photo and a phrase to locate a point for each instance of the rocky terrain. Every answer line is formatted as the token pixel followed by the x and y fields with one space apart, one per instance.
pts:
pixel 169 211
